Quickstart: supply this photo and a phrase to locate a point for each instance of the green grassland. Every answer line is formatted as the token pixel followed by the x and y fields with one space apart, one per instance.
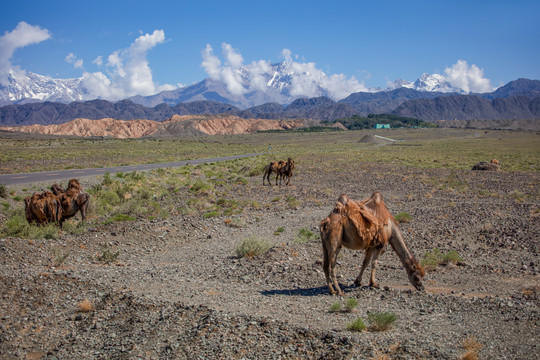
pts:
pixel 426 148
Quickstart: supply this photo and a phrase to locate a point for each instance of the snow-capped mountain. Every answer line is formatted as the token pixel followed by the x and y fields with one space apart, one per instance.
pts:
pixel 427 82
pixel 282 83
pixel 32 87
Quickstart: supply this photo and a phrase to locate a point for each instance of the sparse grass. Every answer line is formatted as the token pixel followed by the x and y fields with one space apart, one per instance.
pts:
pixel 275 199
pixel 381 321
pixel 335 307
pixel 120 218
pixel 85 306
pixel 17 198
pixel 107 256
pixel 211 214
pixel 18 226
pixel 60 257
pixel 3 191
pixel 357 325
pixel 279 230
pixel 253 246
pixel 518 196
pixel 292 202
pixel 432 259
pixel 304 235
pixel 403 217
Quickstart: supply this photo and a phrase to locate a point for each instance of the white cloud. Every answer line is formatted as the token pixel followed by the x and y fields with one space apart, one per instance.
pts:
pixel 468 77
pixel 72 59
pixel 128 71
pixel 23 35
pixel 306 79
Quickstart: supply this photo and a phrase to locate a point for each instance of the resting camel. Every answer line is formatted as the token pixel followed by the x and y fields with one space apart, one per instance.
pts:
pixel 369 226
pixel 273 167
pixel 73 199
pixel 286 171
pixel 43 208
pixel 493 165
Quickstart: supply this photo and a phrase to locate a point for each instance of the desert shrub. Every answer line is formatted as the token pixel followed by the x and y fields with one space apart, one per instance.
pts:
pixel 276 199
pixel 201 188
pixel 351 304
pixel 5 205
pixel 518 196
pixel 253 246
pixel 403 217
pixel 119 218
pixel 381 321
pixel 3 191
pixel 60 257
pixel 17 197
pixel 120 175
pixel 357 325
pixel 74 228
pixel 107 256
pixel 452 257
pixel 106 179
pixel 304 235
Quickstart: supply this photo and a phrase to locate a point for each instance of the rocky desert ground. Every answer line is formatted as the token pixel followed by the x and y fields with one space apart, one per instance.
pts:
pixel 177 289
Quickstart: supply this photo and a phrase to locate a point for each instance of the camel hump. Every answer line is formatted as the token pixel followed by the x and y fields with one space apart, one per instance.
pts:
pixel 377 198
pixel 344 199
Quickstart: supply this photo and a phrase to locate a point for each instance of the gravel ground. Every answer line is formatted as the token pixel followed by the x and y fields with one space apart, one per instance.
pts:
pixel 178 290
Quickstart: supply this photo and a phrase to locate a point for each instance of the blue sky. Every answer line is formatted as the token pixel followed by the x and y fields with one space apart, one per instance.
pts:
pixel 371 42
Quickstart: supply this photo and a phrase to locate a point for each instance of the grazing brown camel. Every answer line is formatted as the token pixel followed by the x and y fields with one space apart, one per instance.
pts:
pixel 43 208
pixel 273 167
pixel 369 226
pixel 73 199
pixel 286 172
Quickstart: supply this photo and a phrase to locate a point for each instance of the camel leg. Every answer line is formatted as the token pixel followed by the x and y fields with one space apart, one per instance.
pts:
pixel 365 263
pixel 331 251
pixel 374 262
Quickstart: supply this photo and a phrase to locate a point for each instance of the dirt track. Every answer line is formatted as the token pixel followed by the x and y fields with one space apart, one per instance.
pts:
pixel 178 291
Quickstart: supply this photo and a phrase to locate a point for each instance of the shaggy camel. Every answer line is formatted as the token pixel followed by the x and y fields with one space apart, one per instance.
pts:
pixel 273 167
pixel 369 226
pixel 286 172
pixel 73 199
pixel 43 208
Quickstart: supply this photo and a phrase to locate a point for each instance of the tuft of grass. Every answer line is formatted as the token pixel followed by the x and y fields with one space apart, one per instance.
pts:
pixel 403 217
pixel 279 230
pixel 18 226
pixel 276 199
pixel 351 304
pixel 357 325
pixel 119 218
pixel 253 246
pixel 335 307
pixel 17 197
pixel 452 257
pixel 85 306
pixel 518 196
pixel 381 321
pixel 472 348
pixel 292 202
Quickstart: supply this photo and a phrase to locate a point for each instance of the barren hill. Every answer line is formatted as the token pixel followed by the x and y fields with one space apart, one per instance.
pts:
pixel 175 126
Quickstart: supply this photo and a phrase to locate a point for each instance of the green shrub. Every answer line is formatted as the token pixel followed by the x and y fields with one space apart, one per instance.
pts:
pixel 381 321
pixel 432 259
pixel 276 199
pixel 107 179
pixel 335 307
pixel 279 230
pixel 201 187
pixel 304 235
pixel 3 191
pixel 357 325
pixel 211 214
pixel 292 202
pixel 253 246
pixel 403 217
pixel 18 226
pixel 17 198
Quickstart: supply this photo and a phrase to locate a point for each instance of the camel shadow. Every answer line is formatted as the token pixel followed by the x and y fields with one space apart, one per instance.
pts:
pixel 314 291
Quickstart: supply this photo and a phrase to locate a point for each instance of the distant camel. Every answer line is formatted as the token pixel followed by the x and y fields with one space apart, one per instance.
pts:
pixel 43 208
pixel 73 199
pixel 286 172
pixel 369 226
pixel 273 167
pixel 493 165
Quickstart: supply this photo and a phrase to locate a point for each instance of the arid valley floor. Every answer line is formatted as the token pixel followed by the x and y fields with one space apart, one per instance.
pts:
pixel 175 289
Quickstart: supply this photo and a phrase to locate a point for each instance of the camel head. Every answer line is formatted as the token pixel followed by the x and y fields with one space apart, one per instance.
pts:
pixel 416 274
pixel 57 190
pixel 74 183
